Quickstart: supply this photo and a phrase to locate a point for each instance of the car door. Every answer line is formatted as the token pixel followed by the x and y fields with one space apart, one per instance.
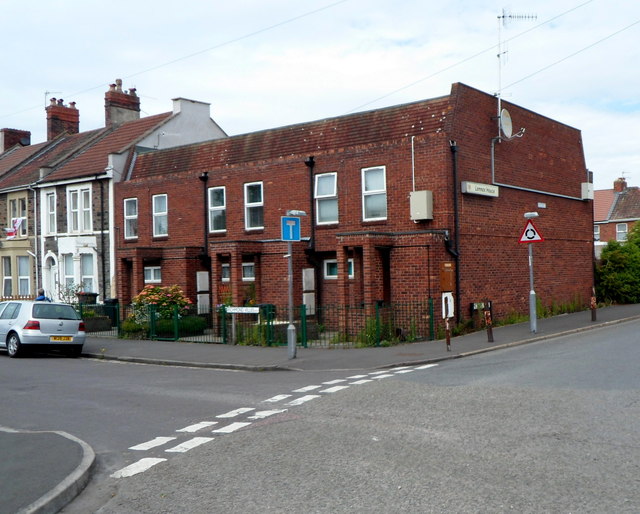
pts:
pixel 8 314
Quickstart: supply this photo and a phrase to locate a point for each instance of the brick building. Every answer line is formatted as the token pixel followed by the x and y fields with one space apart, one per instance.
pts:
pixel 615 212
pixel 395 199
pixel 60 191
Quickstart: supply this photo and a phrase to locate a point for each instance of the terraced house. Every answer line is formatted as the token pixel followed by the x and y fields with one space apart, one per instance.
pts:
pixel 56 197
pixel 417 202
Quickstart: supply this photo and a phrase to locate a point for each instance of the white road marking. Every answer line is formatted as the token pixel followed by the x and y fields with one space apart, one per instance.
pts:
pixel 379 372
pixel 137 467
pixel 426 366
pixel 189 445
pixel 360 382
pixel 334 389
pixel 158 441
pixel 266 413
pixel 331 382
pixel 303 399
pixel 231 428
pixel 352 377
pixel 399 372
pixel 378 377
pixel 399 368
pixel 307 389
pixel 198 426
pixel 237 412
pixel 277 398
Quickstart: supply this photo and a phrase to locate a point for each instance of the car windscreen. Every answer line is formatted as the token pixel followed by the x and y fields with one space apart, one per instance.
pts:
pixel 52 311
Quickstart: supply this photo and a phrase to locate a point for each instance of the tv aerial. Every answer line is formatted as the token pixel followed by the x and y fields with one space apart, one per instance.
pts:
pixel 505 124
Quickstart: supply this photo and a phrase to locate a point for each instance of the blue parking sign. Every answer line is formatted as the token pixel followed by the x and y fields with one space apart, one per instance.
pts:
pixel 290 228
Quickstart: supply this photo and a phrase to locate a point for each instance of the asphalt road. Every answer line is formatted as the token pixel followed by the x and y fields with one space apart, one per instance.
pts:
pixel 111 406
pixel 549 427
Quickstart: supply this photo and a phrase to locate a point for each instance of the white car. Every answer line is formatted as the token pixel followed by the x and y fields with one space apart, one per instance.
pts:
pixel 36 324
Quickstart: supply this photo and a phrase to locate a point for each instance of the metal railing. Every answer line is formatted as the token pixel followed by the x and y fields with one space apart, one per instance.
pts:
pixel 329 326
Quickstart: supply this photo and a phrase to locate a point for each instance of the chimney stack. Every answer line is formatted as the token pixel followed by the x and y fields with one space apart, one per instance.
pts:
pixel 12 137
pixel 62 118
pixel 119 105
pixel 619 185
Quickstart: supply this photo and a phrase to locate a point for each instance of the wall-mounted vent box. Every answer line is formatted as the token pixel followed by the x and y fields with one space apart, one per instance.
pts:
pixel 421 205
pixel 587 191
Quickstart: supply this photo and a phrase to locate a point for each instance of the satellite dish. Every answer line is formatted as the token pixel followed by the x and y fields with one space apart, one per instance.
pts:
pixel 505 123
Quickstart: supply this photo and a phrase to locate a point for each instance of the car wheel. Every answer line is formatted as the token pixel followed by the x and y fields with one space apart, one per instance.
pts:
pixel 14 346
pixel 74 351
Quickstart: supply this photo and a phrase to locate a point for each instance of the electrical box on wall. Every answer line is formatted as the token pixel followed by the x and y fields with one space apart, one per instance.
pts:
pixel 421 205
pixel 587 191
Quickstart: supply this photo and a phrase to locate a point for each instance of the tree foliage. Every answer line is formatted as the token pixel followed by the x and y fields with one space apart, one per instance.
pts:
pixel 618 272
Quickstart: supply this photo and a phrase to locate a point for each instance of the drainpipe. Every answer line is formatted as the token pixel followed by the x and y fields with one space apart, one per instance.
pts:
pixel 36 255
pixel 102 257
pixel 456 219
pixel 310 163
pixel 204 177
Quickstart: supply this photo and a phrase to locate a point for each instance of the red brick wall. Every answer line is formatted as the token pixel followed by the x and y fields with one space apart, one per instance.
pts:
pixel 493 264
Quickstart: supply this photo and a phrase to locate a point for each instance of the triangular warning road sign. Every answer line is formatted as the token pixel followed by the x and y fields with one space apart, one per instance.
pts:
pixel 530 234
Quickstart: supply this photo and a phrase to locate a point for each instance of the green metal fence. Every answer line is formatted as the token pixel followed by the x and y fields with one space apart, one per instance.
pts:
pixel 330 326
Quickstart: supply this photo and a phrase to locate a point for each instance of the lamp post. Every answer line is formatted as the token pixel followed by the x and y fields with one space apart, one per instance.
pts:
pixel 290 233
pixel 533 315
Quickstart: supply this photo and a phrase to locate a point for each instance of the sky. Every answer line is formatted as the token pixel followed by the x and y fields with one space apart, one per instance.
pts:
pixel 264 64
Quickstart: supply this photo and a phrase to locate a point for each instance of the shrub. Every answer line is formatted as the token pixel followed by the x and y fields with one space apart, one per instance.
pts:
pixel 618 274
pixel 163 300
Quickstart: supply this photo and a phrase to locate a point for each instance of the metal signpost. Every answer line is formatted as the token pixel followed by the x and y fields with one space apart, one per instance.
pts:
pixel 290 225
pixel 531 235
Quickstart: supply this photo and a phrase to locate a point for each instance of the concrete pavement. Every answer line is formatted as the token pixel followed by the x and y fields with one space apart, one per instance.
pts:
pixel 79 458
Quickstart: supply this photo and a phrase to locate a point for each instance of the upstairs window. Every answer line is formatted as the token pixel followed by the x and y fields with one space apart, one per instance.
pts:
pixel 596 232
pixel 18 215
pixel 326 196
pixel 50 212
pixel 130 218
pixel 374 194
pixel 621 231
pixel 160 216
pixel 217 209
pixel 79 202
pixel 253 206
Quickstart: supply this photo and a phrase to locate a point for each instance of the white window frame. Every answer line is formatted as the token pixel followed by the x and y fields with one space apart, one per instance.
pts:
pixel 596 232
pixel 50 205
pixel 18 210
pixel 7 277
pixel 248 266
pixel 334 276
pixel 130 220
pixel 79 215
pixel 152 274
pixel 67 270
pixel 87 276
pixel 159 215
pixel 225 272
pixel 253 205
pixel 324 198
pixel 373 192
pixel 220 210
pixel 622 232
pixel 24 280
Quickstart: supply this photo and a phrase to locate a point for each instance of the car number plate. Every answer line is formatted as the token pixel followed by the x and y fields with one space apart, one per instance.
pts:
pixel 61 339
